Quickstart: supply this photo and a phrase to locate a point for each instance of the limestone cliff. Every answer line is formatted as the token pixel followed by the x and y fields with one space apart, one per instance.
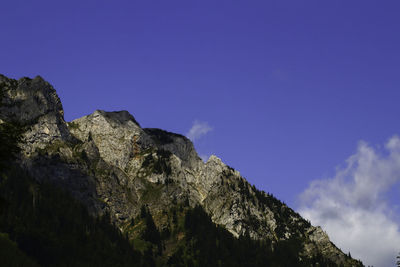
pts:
pixel 111 164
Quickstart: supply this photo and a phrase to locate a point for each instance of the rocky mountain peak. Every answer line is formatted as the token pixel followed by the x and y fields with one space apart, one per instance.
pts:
pixel 177 144
pixel 116 134
pixel 28 99
pixel 112 164
pixel 214 158
pixel 34 104
pixel 116 117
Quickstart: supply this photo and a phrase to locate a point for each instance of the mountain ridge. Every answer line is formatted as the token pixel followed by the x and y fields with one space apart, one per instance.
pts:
pixel 112 165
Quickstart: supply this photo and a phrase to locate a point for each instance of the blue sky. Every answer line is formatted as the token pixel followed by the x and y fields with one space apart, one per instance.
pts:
pixel 286 89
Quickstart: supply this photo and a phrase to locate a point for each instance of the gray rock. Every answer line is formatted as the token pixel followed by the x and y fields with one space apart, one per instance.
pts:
pixel 110 163
pixel 34 104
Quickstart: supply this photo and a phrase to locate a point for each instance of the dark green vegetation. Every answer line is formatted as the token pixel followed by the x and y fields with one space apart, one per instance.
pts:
pixel 9 137
pixel 53 229
pixel 41 225
pixel 192 239
pixel 209 245
pixel 11 255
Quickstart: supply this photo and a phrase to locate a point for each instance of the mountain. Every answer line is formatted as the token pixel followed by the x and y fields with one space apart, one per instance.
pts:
pixel 143 193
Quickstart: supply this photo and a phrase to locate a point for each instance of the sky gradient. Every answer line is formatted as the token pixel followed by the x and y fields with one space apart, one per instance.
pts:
pixel 282 91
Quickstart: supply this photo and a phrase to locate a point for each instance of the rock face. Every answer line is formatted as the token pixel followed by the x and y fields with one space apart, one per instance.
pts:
pixel 110 163
pixel 33 103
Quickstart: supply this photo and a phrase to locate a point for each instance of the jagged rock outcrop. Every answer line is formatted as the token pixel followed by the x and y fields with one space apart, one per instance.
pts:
pixel 33 103
pixel 110 163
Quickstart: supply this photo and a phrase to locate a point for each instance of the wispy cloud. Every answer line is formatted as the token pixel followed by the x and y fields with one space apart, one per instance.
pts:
pixel 198 129
pixel 352 206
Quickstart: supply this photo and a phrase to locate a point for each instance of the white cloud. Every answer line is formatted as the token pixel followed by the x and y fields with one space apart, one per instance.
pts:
pixel 352 206
pixel 198 130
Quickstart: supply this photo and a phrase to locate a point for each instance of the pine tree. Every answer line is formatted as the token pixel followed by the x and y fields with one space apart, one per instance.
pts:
pixel 398 260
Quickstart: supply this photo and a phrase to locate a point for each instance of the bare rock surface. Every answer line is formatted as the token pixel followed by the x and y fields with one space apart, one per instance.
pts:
pixel 111 164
